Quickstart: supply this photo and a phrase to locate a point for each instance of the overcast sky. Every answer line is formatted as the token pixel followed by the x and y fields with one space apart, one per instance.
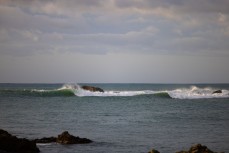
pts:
pixel 114 41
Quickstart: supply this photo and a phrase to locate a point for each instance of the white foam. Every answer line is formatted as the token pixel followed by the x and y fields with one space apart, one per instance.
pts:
pixel 71 87
pixel 197 93
pixel 182 93
pixel 83 93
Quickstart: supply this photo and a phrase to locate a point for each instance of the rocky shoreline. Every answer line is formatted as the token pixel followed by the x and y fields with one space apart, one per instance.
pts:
pixel 12 144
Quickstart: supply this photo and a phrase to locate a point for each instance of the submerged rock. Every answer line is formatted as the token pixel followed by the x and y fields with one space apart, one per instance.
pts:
pixel 64 138
pixel 93 89
pixel 197 149
pixel 9 143
pixel 217 91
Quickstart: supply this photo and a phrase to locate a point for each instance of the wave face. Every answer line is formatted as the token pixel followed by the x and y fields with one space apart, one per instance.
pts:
pixel 63 91
pixel 75 90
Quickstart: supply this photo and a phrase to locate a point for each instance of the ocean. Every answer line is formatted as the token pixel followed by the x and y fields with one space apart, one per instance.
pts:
pixel 125 118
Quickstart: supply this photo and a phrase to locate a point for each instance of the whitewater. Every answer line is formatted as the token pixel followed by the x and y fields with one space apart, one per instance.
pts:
pixel 193 92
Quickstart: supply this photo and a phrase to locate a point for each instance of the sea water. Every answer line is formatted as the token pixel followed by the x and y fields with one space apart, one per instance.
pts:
pixel 125 118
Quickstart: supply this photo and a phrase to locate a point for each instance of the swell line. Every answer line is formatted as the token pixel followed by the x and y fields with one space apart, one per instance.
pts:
pixel 75 90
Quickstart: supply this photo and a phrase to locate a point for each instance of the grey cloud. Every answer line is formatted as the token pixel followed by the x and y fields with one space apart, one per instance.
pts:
pixel 99 31
pixel 206 6
pixel 186 6
pixel 157 32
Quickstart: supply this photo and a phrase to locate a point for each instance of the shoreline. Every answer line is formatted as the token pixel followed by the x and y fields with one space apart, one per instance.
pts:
pixel 11 144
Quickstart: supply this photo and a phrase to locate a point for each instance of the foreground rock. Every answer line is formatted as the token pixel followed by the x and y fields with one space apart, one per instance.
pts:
pixel 64 138
pixel 217 91
pixel 93 89
pixel 9 143
pixel 197 149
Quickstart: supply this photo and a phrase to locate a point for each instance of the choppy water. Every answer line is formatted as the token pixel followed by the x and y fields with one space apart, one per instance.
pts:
pixel 125 118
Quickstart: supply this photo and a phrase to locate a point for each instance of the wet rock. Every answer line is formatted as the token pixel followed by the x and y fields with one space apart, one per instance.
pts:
pixel 93 89
pixel 9 143
pixel 197 149
pixel 66 138
pixel 217 91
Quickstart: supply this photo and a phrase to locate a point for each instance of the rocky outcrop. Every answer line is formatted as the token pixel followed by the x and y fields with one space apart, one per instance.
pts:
pixel 217 91
pixel 197 149
pixel 64 138
pixel 93 89
pixel 9 143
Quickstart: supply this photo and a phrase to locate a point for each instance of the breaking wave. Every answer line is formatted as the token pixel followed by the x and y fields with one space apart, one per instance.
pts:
pixel 75 90
pixel 184 93
pixel 198 93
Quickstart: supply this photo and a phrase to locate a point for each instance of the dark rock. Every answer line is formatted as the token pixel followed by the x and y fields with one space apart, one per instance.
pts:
pixel 197 149
pixel 45 140
pixel 66 138
pixel 217 91
pixel 93 89
pixel 153 151
pixel 4 133
pixel 9 143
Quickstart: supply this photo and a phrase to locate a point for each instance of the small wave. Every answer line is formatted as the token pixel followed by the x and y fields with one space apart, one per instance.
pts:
pixel 53 93
pixel 63 91
pixel 162 94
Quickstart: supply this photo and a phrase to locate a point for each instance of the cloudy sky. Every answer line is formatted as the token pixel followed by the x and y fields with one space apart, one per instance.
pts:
pixel 114 41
